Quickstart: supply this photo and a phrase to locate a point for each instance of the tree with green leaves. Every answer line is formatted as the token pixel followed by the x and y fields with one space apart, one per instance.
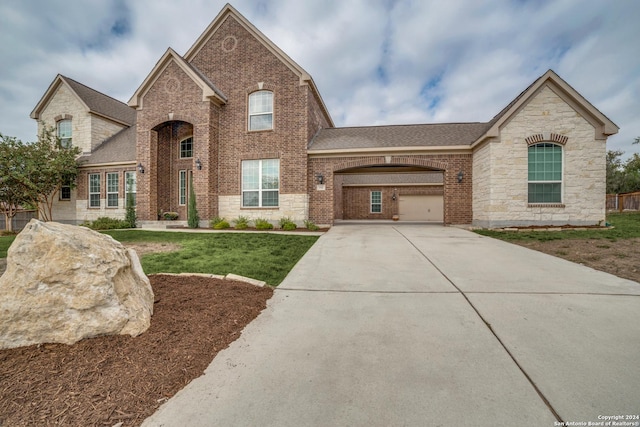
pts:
pixel 623 176
pixel 193 219
pixel 13 194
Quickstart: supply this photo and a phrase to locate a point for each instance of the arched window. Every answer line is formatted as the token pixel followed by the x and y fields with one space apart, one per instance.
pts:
pixel 261 110
pixel 186 148
pixel 545 173
pixel 64 132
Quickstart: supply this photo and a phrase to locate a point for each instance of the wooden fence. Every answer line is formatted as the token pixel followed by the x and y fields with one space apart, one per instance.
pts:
pixel 19 221
pixel 623 202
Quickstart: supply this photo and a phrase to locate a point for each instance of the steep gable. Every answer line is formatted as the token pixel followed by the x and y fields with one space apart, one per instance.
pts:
pixel 229 43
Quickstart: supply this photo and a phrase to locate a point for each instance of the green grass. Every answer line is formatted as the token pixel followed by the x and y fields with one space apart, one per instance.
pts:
pixel 626 225
pixel 5 242
pixel 267 257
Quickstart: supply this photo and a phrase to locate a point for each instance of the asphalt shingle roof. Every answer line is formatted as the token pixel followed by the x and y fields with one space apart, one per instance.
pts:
pixel 425 135
pixel 103 104
pixel 120 148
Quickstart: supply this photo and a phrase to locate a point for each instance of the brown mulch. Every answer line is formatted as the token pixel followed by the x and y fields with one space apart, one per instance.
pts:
pixel 107 380
pixel 620 258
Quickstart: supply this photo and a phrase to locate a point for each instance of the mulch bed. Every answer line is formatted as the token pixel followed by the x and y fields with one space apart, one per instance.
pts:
pixel 109 380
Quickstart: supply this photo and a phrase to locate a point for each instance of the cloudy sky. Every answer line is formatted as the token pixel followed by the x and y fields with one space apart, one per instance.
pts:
pixel 374 61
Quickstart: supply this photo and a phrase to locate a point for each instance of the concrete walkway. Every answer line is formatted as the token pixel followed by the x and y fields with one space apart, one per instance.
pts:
pixel 415 325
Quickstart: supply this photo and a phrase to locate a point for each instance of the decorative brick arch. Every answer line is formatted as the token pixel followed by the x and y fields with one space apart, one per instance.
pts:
pixel 63 117
pixel 396 161
pixel 176 117
pixel 257 87
pixel 546 137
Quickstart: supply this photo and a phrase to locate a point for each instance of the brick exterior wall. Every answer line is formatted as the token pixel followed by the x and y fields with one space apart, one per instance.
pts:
pixel 80 196
pixel 327 205
pixel 501 191
pixel 356 200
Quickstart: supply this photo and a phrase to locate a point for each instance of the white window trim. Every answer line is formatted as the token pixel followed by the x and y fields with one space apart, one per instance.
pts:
pixel 65 142
pixel 561 181
pixel 182 190
pixel 260 190
pixel 117 192
pixel 180 148
pixel 371 201
pixel 98 192
pixel 264 113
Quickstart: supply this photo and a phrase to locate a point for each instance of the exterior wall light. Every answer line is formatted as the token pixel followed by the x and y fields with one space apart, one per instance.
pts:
pixel 460 176
pixel 320 178
pixel 140 168
pixel 198 164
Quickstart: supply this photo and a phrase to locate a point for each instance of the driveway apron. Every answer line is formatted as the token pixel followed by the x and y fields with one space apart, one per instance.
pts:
pixel 411 325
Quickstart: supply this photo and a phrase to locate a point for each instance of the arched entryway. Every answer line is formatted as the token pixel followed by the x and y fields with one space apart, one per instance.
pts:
pixel 175 161
pixel 406 192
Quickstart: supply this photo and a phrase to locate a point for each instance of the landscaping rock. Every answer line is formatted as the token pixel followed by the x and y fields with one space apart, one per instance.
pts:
pixel 64 283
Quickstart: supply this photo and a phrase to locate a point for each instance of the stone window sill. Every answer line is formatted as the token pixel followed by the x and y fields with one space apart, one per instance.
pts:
pixel 545 205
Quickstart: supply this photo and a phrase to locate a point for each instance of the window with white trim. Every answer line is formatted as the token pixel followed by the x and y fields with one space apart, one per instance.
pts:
pixel 65 190
pixel 261 110
pixel 183 188
pixel 260 183
pixel 94 190
pixel 64 132
pixel 376 202
pixel 186 148
pixel 545 173
pixel 112 189
pixel 131 186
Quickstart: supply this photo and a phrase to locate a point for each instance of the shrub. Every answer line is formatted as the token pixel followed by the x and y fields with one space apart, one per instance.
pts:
pixel 130 217
pixel 106 223
pixel 263 224
pixel 215 220
pixel 170 216
pixel 241 223
pixel 309 225
pixel 193 219
pixel 221 225
pixel 287 224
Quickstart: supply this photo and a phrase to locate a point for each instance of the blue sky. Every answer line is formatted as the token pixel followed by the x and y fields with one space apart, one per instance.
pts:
pixel 374 61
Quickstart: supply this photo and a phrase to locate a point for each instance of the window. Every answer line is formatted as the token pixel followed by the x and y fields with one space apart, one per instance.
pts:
pixel 261 110
pixel 545 173
pixel 64 133
pixel 183 188
pixel 112 190
pixel 260 183
pixel 94 190
pixel 376 201
pixel 186 148
pixel 65 191
pixel 131 186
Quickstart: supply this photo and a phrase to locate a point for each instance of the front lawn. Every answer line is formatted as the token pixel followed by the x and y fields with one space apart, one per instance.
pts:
pixel 5 242
pixel 262 256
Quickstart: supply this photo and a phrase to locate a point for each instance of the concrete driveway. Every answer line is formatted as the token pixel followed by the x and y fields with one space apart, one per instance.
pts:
pixel 417 325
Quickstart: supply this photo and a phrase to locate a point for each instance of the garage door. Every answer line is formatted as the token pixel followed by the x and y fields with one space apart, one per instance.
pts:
pixel 421 208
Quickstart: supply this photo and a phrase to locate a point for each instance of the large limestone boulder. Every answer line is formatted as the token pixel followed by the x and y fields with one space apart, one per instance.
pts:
pixel 64 283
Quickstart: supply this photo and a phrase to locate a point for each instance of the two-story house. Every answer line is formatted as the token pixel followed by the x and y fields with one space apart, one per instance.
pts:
pixel 246 126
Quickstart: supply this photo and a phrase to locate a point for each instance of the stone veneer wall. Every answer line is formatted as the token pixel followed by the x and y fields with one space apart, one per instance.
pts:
pixel 500 197
pixel 102 129
pixel 294 206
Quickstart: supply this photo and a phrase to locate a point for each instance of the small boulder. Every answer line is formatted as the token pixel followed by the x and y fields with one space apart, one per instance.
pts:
pixel 64 283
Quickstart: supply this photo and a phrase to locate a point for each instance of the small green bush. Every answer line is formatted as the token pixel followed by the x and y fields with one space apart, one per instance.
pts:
pixel 221 225
pixel 310 225
pixel 263 224
pixel 287 224
pixel 241 223
pixel 106 223
pixel 215 220
pixel 170 216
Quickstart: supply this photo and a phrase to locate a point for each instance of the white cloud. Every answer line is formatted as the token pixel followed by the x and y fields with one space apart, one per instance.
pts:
pixel 375 62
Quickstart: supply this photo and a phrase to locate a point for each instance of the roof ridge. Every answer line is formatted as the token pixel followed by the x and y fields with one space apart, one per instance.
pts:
pixel 406 125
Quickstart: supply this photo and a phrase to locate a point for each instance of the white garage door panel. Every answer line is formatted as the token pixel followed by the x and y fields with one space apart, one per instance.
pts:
pixel 421 208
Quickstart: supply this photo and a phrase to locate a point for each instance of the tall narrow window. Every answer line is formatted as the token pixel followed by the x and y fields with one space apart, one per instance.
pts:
pixel 376 201
pixel 186 148
pixel 112 190
pixel 64 133
pixel 183 188
pixel 94 190
pixel 545 173
pixel 261 110
pixel 260 183
pixel 131 186
pixel 65 190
